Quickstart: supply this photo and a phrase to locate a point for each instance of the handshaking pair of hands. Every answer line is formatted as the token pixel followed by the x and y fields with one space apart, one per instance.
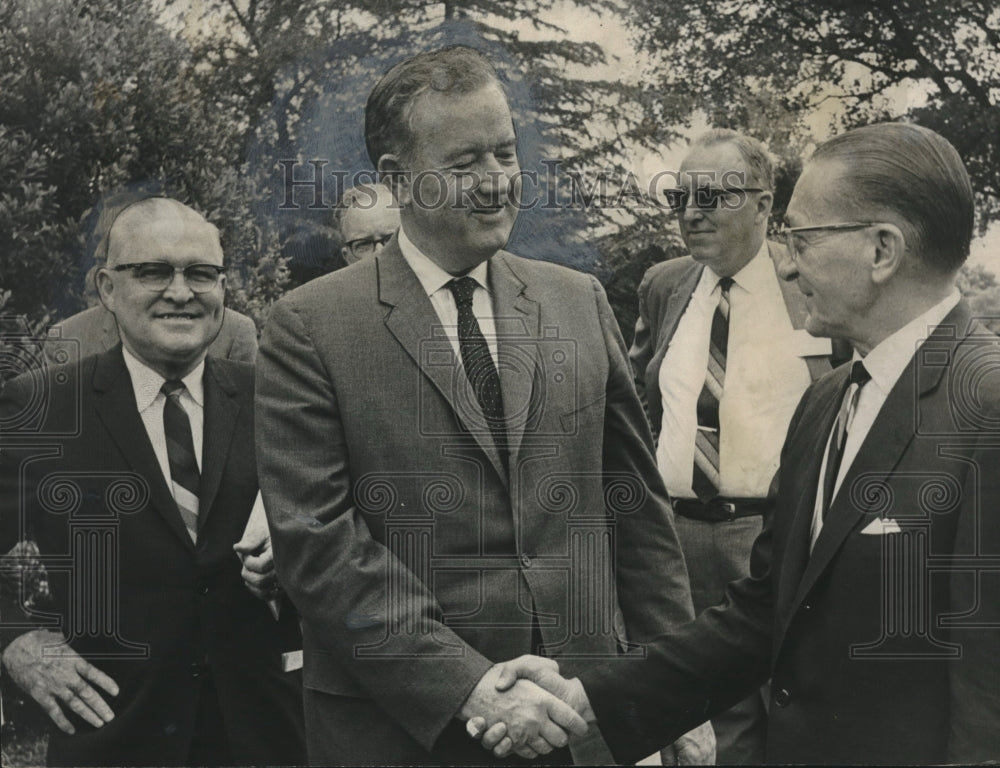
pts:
pixel 526 707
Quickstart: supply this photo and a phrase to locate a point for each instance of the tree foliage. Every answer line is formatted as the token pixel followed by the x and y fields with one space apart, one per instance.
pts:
pixel 934 62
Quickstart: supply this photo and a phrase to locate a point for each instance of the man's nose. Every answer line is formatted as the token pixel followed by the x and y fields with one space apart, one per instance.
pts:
pixel 178 290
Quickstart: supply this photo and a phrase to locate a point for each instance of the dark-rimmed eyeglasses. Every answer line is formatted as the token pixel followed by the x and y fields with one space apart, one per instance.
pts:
pixel 158 275
pixel 708 198
pixel 787 235
pixel 368 245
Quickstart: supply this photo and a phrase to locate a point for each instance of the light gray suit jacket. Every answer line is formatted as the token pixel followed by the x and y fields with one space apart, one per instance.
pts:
pixel 415 559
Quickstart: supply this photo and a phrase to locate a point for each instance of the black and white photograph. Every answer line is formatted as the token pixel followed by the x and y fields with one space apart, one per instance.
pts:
pixel 544 382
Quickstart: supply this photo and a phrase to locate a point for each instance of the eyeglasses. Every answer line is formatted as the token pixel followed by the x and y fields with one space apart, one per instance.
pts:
pixel 708 198
pixel 787 235
pixel 368 245
pixel 158 275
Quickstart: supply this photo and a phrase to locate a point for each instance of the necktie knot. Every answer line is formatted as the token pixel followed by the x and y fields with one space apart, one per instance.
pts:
pixel 725 283
pixel 172 387
pixel 859 374
pixel 462 289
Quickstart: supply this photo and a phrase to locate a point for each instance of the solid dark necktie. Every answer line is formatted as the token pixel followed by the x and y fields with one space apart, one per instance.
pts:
pixel 477 360
pixel 835 452
pixel 705 480
pixel 184 474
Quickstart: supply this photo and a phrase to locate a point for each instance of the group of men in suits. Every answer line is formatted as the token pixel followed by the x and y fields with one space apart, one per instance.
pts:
pixel 873 594
pixel 457 466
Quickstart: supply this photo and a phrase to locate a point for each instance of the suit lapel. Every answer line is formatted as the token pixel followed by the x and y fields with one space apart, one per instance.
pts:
pixel 803 480
pixel 221 411
pixel 414 323
pixel 677 302
pixel 518 327
pixel 883 449
pixel 117 410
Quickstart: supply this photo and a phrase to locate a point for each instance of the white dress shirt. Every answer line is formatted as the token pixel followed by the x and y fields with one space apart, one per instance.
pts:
pixel 146 384
pixel 149 399
pixel 435 282
pixel 886 363
pixel 765 378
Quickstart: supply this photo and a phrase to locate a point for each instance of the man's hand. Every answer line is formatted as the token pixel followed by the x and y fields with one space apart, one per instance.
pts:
pixel 696 747
pixel 534 721
pixel 258 574
pixel 544 673
pixel 58 678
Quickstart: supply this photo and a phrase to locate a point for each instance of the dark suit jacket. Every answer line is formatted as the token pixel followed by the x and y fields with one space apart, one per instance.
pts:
pixel 96 331
pixel 881 648
pixel 130 590
pixel 415 559
pixel 664 294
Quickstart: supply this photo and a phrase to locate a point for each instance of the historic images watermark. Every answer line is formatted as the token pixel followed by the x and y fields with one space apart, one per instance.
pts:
pixel 312 185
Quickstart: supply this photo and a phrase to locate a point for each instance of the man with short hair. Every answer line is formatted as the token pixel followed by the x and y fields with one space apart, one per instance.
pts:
pixel 136 477
pixel 721 360
pixel 367 218
pixel 874 600
pixel 466 473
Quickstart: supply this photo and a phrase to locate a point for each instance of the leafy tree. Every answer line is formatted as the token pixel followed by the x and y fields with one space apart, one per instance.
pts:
pixel 861 61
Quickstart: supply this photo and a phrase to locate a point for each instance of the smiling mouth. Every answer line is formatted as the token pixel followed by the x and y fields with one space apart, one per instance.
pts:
pixel 177 316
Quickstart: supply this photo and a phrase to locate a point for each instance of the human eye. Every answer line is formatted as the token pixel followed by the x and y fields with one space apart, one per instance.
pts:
pixel 153 271
pixel 201 275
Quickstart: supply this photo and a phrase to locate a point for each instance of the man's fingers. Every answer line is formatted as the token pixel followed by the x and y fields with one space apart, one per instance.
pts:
pixel 526 752
pixel 553 734
pixel 504 747
pixel 475 727
pixel 55 713
pixel 540 745
pixel 94 675
pixel 260 563
pixel 494 735
pixel 564 715
pixel 507 677
pixel 92 699
pixel 79 706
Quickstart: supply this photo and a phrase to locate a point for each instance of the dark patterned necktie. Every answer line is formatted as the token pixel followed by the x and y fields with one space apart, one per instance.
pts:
pixel 835 452
pixel 478 362
pixel 705 479
pixel 184 474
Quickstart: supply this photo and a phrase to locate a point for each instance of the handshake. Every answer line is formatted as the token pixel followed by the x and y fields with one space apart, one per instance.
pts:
pixel 526 707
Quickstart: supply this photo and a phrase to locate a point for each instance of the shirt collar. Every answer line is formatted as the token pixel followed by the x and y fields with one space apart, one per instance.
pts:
pixel 754 277
pixel 430 275
pixel 146 382
pixel 887 360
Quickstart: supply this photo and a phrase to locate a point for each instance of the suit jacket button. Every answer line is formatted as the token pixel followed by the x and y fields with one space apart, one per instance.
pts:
pixel 203 589
pixel 782 698
pixel 525 560
pixel 195 669
pixel 806 607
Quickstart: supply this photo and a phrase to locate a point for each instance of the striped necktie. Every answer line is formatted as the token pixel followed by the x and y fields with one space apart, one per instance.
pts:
pixel 705 479
pixel 184 474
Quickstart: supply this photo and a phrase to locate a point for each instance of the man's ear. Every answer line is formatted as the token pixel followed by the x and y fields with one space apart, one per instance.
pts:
pixel 392 174
pixel 765 202
pixel 889 253
pixel 105 288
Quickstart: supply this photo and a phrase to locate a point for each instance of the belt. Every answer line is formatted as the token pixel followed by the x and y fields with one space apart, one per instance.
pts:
pixel 719 510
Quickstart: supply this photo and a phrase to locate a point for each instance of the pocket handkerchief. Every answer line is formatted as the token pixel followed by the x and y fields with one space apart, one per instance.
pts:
pixel 880 526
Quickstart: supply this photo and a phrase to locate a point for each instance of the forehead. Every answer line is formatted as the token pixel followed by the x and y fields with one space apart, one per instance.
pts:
pixel 441 123
pixel 821 192
pixel 164 233
pixel 715 159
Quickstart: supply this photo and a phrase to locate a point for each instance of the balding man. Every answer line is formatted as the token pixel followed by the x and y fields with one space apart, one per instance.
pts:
pixel 874 599
pixel 367 217
pixel 157 648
